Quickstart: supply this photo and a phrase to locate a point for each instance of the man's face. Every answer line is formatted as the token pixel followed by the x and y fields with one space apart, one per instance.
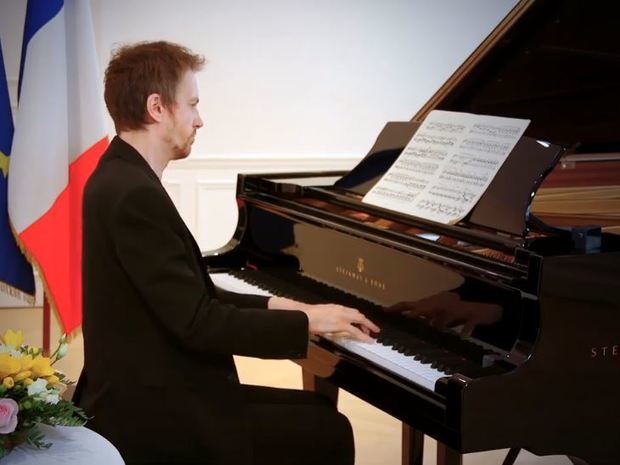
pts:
pixel 184 119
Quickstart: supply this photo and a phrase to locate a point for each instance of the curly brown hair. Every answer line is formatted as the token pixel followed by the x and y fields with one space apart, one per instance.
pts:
pixel 138 70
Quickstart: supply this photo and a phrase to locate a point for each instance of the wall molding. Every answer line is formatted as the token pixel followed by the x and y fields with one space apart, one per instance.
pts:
pixel 262 162
pixel 205 186
pixel 215 184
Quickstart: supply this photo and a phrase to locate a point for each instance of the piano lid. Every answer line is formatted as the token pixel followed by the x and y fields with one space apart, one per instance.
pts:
pixel 554 62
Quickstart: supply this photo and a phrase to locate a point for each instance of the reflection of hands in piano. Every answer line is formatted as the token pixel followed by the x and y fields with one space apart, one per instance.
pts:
pixel 330 319
pixel 447 310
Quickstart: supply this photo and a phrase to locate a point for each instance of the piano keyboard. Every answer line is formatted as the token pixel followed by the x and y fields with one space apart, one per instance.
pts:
pixel 386 357
pixel 231 283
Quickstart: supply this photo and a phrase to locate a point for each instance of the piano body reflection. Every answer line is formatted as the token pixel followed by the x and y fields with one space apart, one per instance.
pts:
pixel 502 331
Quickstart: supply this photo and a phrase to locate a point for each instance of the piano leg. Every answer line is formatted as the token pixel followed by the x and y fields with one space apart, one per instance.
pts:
pixel 413 446
pixel 448 456
pixel 577 461
pixel 512 455
pixel 315 383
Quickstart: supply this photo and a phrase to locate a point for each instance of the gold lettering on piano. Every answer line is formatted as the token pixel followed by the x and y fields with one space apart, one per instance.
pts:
pixel 356 274
pixel 605 351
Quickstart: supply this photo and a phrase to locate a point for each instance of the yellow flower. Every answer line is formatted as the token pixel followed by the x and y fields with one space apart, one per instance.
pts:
pixel 51 380
pixel 8 365
pixel 28 381
pixel 8 382
pixel 41 367
pixel 26 362
pixel 13 338
pixel 22 375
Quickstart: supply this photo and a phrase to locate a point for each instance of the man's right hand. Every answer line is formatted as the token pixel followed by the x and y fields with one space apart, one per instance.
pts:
pixel 331 319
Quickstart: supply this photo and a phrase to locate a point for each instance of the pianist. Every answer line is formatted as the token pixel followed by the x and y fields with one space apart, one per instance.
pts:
pixel 159 379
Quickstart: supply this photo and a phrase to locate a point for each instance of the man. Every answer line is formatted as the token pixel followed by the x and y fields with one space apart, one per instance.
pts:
pixel 159 379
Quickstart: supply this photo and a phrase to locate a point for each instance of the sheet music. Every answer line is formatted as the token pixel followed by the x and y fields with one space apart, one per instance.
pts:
pixel 447 165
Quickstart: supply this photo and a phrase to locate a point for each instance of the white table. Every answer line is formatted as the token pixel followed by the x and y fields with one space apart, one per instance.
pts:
pixel 71 445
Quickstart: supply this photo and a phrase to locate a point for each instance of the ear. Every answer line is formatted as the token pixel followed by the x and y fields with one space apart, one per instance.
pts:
pixel 154 107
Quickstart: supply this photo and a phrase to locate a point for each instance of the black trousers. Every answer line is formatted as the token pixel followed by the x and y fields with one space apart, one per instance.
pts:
pixel 289 427
pixel 293 427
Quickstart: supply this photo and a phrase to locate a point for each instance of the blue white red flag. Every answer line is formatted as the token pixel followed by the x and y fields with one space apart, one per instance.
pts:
pixel 59 138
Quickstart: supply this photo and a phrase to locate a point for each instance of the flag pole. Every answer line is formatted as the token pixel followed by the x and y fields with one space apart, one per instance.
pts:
pixel 47 320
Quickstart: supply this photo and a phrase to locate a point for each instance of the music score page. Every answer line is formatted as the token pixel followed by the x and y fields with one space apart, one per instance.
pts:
pixel 447 165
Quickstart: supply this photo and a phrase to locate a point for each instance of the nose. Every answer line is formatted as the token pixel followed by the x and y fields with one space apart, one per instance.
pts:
pixel 198 123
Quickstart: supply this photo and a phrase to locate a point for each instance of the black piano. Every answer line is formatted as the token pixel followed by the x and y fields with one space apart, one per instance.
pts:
pixel 518 342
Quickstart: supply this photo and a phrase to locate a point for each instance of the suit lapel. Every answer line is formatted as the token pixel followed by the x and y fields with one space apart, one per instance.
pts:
pixel 120 148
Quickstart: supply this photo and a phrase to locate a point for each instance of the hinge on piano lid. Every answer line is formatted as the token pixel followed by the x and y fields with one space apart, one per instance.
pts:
pixel 586 239
pixel 582 239
pixel 501 362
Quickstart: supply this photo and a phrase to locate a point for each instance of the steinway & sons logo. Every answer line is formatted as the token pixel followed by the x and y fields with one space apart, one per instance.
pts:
pixel 360 265
pixel 357 273
pixel 605 351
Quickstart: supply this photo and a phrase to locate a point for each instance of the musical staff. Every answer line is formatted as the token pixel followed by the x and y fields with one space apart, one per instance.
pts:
pixel 505 132
pixel 445 127
pixel 486 146
pixel 425 153
pixel 441 141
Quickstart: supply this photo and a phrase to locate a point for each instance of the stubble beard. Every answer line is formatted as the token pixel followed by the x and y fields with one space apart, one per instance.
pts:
pixel 183 151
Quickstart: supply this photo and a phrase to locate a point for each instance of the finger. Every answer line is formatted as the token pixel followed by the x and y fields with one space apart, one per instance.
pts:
pixel 335 335
pixel 358 334
pixel 353 315
pixel 359 319
pixel 367 326
pixel 371 326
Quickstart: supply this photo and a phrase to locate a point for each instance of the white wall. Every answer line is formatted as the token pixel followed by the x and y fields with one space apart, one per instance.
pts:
pixel 290 84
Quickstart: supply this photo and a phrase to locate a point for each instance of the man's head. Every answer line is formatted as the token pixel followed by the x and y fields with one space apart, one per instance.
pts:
pixel 154 83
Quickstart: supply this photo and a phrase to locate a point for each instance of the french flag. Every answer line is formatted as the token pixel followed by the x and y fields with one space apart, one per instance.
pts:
pixel 59 138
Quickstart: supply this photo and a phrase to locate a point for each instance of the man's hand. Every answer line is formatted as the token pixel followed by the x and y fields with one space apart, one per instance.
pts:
pixel 330 319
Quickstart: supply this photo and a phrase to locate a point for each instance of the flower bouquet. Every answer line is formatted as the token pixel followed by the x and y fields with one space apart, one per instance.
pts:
pixel 30 393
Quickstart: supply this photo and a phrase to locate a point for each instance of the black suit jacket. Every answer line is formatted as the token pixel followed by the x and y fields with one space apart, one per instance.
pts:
pixel 159 378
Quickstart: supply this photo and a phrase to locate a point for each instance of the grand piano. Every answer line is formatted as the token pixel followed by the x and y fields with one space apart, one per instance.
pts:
pixel 502 331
